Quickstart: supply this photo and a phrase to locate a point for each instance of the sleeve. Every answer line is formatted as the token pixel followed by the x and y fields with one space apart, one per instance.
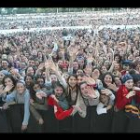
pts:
pixel 26 109
pixel 100 109
pixel 121 100
pixel 35 113
pixel 97 94
pixel 63 82
pixel 100 85
pixel 112 97
pixel 9 98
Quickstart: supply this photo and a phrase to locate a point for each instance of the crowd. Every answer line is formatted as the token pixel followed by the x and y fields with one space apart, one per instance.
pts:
pixel 70 81
pixel 130 17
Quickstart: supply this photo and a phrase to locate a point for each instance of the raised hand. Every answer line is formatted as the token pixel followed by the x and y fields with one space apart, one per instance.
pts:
pixel 41 94
pixel 112 86
pixel 91 92
pixel 130 94
pixel 89 80
pixel 8 88
pixel 41 66
pixel 106 92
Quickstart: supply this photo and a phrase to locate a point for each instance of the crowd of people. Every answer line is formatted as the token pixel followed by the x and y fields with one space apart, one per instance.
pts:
pixel 130 17
pixel 68 80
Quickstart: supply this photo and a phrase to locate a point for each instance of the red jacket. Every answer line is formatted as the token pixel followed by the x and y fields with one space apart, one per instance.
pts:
pixel 60 114
pixel 121 99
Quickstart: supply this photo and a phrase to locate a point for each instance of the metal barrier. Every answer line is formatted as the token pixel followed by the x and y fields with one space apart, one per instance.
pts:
pixel 112 122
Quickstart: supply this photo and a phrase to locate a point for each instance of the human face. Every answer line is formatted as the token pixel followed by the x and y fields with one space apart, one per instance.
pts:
pixel 103 69
pixel 104 98
pixel 117 81
pixel 116 66
pixel 22 65
pixel 36 87
pixel 72 81
pixel 58 91
pixel 79 72
pixel 20 88
pixel 80 79
pixel 41 81
pixel 5 64
pixel 84 89
pixel 8 81
pixel 39 54
pixel 88 71
pixel 30 71
pixel 75 65
pixel 129 84
pixel 53 78
pixel 10 59
pixel 31 63
pixel 96 72
pixel 108 79
pixel 28 80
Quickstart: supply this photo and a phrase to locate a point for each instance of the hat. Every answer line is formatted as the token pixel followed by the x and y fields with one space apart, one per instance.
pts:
pixel 5 72
pixel 126 77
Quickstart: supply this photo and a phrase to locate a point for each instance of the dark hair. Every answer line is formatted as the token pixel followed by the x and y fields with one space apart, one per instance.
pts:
pixel 39 77
pixel 71 75
pixel 103 77
pixel 10 77
pixel 59 85
pixel 84 82
pixel 136 77
pixel 120 58
pixel 6 61
pixel 27 69
pixel 28 76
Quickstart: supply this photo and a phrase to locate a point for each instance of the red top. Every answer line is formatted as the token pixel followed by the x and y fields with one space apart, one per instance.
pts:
pixel 121 99
pixel 60 114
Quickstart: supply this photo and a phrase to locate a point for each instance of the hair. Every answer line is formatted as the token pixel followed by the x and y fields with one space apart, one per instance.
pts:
pixel 71 75
pixel 103 77
pixel 28 76
pixel 136 78
pixel 59 85
pixel 38 76
pixel 120 58
pixel 29 67
pixel 13 80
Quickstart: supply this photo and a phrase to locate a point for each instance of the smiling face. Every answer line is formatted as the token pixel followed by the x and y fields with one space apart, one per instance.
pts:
pixel 30 71
pixel 58 91
pixel 5 64
pixel 8 81
pixel 129 84
pixel 84 89
pixel 72 81
pixel 53 78
pixel 107 79
pixel 20 88
pixel 28 80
